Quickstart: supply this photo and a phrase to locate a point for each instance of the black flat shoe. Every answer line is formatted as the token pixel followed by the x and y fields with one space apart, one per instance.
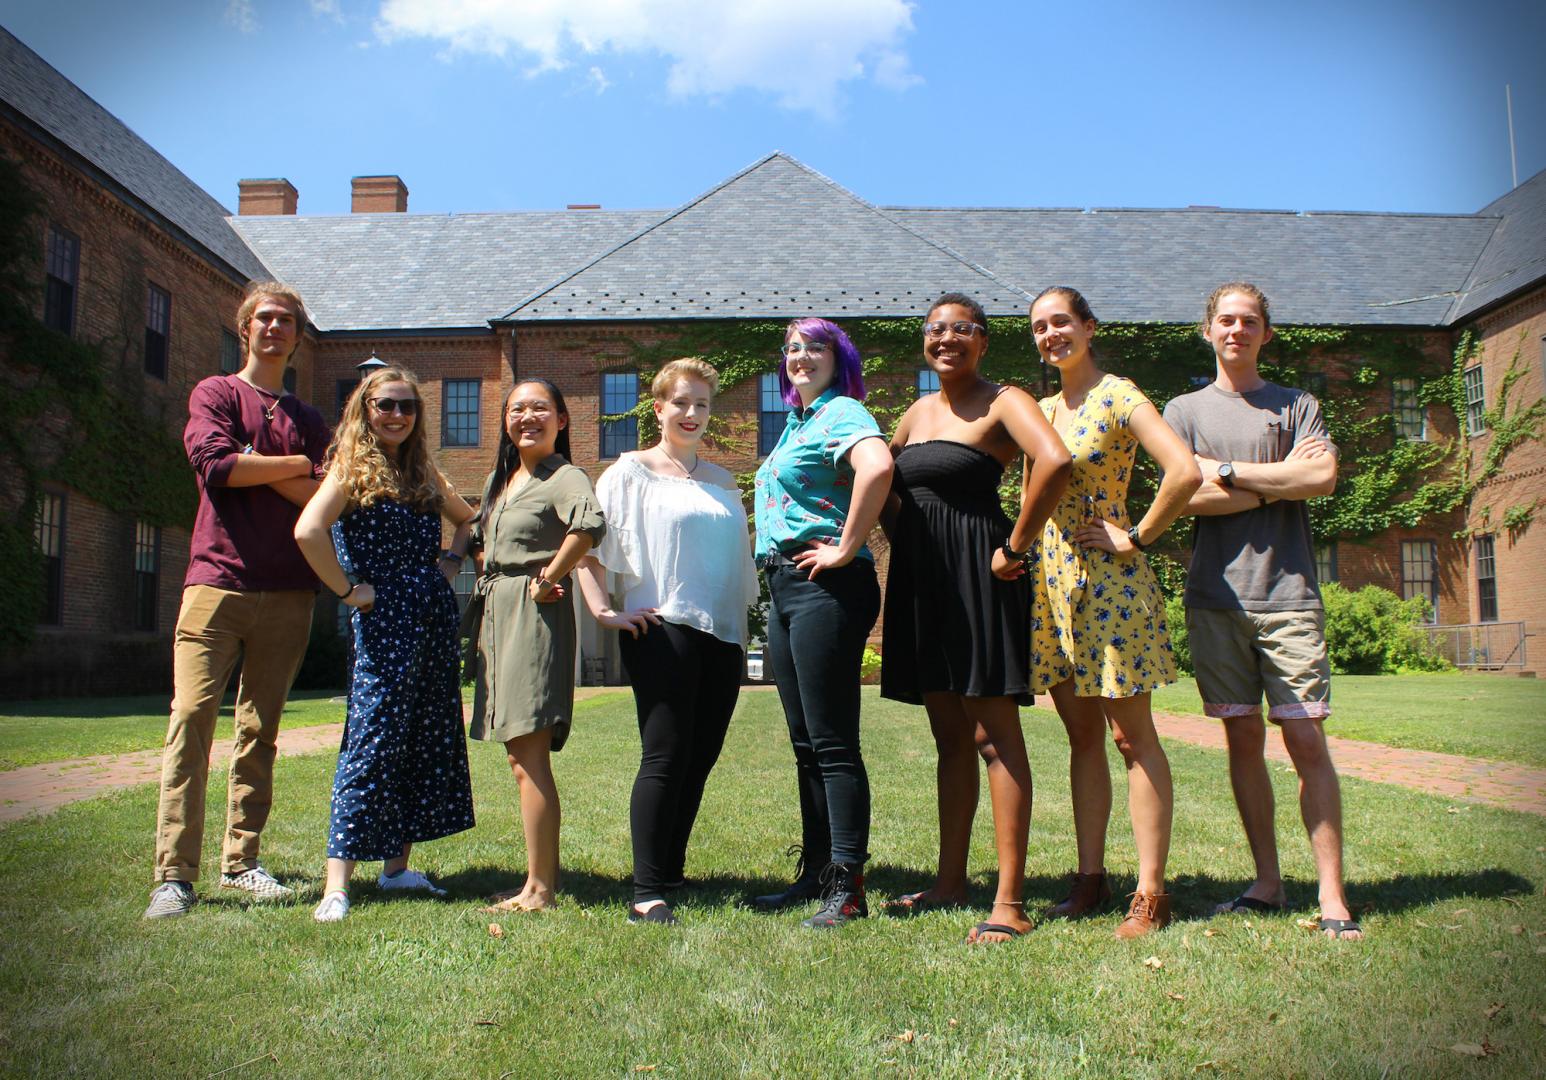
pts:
pixel 660 915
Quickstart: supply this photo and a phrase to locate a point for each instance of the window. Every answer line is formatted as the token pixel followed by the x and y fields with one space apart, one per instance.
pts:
pixel 1326 562
pixel 772 413
pixel 465 581
pixel 158 330
pixel 619 394
pixel 1199 381
pixel 1407 408
pixel 49 533
pixel 1475 401
pixel 345 388
pixel 1486 580
pixel 230 353
pixel 62 264
pixel 928 381
pixel 289 379
pixel 147 570
pixel 1420 573
pixel 459 412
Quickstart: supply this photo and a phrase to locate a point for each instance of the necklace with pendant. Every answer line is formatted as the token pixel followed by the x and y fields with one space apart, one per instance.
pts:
pixel 685 470
pixel 268 408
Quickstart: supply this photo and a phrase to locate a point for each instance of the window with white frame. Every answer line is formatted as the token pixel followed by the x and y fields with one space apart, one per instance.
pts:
pixel 1420 573
pixel 1326 562
pixel 1475 401
pixel 927 381
pixel 1486 579
pixel 772 413
pixel 62 263
pixel 1411 418
pixel 147 574
pixel 49 533
pixel 158 330
pixel 459 412
pixel 619 394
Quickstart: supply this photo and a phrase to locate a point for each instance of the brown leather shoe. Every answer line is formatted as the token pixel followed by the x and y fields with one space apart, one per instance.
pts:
pixel 1148 912
pixel 1087 893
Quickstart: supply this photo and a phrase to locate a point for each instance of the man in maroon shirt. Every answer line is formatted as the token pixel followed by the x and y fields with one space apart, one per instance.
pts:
pixel 256 450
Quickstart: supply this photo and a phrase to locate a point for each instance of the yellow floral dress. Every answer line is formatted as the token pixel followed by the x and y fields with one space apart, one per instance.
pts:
pixel 1097 618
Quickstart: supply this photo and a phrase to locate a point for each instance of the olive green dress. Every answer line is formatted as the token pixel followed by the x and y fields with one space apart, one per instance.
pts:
pixel 526 650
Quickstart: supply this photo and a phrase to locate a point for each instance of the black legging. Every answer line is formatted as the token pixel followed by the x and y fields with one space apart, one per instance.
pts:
pixel 685 685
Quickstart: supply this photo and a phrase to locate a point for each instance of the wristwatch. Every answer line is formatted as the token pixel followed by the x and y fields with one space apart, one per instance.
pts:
pixel 1132 534
pixel 1227 473
pixel 1011 554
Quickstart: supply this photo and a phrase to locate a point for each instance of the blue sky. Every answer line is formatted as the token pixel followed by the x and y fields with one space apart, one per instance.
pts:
pixel 532 104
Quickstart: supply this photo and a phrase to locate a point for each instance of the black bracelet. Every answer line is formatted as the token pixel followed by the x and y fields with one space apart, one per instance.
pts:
pixel 346 593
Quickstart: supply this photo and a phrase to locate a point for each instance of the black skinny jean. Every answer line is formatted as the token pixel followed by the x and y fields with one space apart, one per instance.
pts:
pixel 685 685
pixel 816 635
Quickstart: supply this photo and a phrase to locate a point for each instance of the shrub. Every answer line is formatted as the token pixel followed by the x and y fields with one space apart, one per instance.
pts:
pixel 869 666
pixel 1372 631
pixel 1180 642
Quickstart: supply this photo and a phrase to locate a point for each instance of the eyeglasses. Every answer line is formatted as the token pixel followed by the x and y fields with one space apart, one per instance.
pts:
pixel 960 329
pixel 538 409
pixel 401 406
pixel 809 348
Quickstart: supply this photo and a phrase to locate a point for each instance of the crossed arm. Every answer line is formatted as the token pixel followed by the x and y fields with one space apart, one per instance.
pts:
pixel 1310 469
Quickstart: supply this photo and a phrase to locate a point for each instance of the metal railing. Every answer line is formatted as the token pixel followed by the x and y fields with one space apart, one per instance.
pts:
pixel 1487 646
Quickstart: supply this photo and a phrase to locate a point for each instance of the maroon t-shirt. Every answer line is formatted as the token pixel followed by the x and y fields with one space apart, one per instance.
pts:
pixel 244 537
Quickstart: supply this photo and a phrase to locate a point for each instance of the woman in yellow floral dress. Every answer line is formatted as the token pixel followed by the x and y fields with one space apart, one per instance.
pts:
pixel 1099 643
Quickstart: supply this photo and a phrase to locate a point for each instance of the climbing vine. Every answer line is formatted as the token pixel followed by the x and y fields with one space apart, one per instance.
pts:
pixel 72 413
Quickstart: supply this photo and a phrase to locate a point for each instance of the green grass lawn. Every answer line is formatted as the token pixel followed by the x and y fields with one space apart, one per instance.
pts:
pixel 32 732
pixel 1455 956
pixel 1486 716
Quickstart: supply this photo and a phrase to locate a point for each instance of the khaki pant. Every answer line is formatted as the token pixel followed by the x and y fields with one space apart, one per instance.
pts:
pixel 267 631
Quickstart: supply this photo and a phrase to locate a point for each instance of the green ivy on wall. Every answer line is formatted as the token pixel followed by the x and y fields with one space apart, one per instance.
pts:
pixel 71 413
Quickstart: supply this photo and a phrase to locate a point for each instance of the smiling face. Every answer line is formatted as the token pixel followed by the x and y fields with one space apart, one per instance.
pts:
pixel 1237 330
pixel 532 419
pixel 1061 336
pixel 684 412
pixel 953 353
pixel 810 365
pixel 273 331
pixel 391 411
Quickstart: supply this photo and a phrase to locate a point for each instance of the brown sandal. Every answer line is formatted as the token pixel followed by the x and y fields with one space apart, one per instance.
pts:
pixel 1087 894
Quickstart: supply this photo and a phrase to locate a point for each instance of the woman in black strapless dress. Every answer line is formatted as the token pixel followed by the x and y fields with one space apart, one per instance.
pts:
pixel 957 623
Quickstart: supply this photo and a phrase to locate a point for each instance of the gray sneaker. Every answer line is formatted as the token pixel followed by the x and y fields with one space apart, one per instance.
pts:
pixel 169 900
pixel 259 882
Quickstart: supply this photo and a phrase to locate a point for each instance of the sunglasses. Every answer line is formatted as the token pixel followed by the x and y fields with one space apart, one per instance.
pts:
pixel 401 406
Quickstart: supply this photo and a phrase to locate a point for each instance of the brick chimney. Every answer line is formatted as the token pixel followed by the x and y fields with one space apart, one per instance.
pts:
pixel 259 197
pixel 379 195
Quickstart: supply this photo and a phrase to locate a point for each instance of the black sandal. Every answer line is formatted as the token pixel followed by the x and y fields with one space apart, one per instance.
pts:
pixel 1248 903
pixel 1338 927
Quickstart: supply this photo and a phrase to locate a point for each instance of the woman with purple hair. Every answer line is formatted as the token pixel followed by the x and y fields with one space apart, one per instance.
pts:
pixel 819 494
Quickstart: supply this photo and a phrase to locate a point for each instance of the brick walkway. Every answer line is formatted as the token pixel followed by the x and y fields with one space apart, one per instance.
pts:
pixel 41 789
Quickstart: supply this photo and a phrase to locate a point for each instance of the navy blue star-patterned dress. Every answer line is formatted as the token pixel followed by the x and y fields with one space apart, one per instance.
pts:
pixel 402 769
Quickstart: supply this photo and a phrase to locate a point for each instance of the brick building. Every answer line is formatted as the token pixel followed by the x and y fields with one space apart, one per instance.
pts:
pixel 593 298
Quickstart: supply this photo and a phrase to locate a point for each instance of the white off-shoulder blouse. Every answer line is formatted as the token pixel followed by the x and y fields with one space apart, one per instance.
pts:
pixel 679 546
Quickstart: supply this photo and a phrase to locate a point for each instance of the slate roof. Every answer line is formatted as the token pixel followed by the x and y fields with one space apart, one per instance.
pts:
pixel 40 94
pixel 429 271
pixel 776 240
pixel 1159 265
pixel 1515 256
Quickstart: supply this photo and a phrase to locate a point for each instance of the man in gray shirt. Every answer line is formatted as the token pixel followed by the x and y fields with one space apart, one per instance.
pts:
pixel 1253 609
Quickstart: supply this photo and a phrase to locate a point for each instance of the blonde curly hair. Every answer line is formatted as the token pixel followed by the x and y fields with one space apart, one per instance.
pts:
pixel 363 469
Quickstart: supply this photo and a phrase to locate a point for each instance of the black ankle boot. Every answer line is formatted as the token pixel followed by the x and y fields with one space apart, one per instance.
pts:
pixel 842 897
pixel 807 886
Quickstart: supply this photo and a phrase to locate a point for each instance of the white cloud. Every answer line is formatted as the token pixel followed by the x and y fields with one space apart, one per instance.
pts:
pixel 598 80
pixel 239 13
pixel 799 52
pixel 327 9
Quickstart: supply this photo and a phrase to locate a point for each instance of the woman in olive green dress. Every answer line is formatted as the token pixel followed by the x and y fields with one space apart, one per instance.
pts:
pixel 539 517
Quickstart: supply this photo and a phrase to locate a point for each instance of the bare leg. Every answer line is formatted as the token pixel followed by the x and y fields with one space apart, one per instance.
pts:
pixel 956 784
pixel 338 874
pixel 532 763
pixel 1320 804
pixel 1149 797
pixel 1089 774
pixel 1247 739
pixel 1000 741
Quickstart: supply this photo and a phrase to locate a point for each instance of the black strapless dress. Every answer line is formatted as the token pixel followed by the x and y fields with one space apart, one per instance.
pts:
pixel 950 625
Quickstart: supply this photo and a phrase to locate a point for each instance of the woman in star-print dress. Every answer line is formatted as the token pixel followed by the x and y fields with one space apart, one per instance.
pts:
pixel 372 534
pixel 1099 642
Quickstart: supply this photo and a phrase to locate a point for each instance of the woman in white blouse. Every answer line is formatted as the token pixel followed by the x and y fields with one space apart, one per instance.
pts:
pixel 677 540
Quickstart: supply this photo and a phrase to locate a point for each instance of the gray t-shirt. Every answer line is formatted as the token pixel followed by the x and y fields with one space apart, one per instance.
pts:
pixel 1260 559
